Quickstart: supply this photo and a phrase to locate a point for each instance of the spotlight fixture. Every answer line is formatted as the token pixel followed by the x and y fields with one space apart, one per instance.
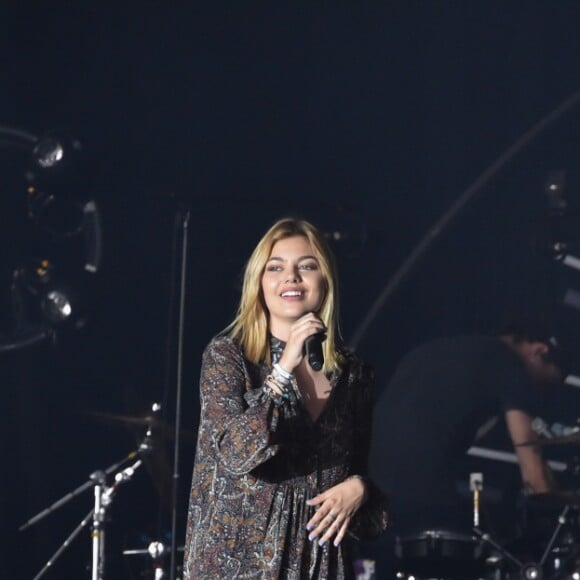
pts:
pixel 48 153
pixel 56 306
pixel 57 248
pixel 56 155
pixel 57 184
pixel 46 298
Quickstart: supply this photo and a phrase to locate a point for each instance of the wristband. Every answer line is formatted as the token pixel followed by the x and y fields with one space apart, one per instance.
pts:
pixel 288 376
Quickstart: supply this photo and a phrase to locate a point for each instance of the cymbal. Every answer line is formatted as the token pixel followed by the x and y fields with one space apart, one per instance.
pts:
pixel 156 460
pixel 571 439
pixel 554 499
pixel 143 421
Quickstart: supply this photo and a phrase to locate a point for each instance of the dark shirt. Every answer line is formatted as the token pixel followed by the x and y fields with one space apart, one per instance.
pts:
pixel 427 418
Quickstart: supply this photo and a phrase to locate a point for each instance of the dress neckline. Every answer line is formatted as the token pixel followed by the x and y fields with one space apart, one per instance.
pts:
pixel 277 346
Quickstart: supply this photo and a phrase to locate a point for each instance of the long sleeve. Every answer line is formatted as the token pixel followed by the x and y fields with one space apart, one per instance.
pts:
pixel 258 461
pixel 243 435
pixel 372 518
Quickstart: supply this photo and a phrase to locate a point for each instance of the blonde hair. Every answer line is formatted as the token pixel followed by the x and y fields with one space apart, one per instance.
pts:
pixel 250 326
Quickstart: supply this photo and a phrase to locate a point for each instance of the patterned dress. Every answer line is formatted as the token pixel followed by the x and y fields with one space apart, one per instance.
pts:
pixel 257 463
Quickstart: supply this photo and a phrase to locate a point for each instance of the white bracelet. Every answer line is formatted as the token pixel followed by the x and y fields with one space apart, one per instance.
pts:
pixel 279 378
pixel 288 376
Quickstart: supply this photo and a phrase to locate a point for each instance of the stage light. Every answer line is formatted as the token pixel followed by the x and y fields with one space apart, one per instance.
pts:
pixel 57 245
pixel 56 155
pixel 48 152
pixel 56 306
pixel 57 185
pixel 53 297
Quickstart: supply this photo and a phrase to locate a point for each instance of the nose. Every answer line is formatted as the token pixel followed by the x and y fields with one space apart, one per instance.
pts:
pixel 293 276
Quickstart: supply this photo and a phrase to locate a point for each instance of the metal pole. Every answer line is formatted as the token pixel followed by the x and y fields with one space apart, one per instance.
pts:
pixel 98 536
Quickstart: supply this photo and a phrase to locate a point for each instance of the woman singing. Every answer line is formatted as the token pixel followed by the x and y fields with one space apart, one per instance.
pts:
pixel 279 483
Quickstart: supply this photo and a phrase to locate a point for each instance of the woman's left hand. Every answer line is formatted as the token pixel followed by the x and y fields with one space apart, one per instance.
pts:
pixel 334 510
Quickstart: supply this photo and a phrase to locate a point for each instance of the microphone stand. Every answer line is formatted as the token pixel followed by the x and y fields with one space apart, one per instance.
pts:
pixel 103 495
pixel 178 272
pixel 181 317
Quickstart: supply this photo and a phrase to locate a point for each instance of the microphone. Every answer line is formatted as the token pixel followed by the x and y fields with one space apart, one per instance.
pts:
pixel 540 427
pixel 313 346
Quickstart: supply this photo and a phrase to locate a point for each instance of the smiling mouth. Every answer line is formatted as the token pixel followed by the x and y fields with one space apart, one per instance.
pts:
pixel 291 294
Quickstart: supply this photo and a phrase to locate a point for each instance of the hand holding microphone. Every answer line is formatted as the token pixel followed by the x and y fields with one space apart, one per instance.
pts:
pixel 305 340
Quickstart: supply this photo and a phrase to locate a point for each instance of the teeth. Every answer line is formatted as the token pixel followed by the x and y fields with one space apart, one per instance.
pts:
pixel 292 293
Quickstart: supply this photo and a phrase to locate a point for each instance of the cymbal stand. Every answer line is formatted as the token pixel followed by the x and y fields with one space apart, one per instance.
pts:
pixel 65 544
pixel 155 551
pixel 505 553
pixel 530 569
pixel 476 487
pixel 102 501
pixel 561 522
pixel 103 497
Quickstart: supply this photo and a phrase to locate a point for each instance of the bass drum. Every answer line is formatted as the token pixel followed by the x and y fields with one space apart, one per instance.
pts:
pixel 441 554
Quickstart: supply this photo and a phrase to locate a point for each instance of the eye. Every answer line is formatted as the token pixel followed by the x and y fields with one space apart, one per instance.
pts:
pixel 273 268
pixel 309 266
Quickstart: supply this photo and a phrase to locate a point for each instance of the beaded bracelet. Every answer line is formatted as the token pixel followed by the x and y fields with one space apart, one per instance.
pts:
pixel 284 392
pixel 288 385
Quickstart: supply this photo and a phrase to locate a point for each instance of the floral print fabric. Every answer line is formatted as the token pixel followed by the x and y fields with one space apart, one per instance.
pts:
pixel 257 463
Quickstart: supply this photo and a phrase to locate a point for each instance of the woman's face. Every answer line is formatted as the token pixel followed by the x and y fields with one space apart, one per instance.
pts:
pixel 292 282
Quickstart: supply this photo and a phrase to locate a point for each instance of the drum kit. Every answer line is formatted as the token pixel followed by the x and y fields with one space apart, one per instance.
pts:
pixel 548 547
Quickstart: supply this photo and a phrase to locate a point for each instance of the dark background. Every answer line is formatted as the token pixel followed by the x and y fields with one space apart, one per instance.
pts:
pixel 370 120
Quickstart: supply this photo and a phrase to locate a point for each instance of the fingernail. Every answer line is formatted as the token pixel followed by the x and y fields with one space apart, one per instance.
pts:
pixel 309 527
pixel 312 537
pixel 321 542
pixel 336 543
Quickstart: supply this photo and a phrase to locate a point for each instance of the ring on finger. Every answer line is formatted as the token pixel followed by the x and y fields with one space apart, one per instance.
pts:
pixel 331 516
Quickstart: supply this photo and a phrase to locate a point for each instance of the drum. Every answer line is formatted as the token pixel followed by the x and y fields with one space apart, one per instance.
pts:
pixel 441 554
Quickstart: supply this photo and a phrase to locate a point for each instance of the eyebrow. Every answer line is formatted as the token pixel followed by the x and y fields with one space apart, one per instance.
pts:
pixel 278 259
